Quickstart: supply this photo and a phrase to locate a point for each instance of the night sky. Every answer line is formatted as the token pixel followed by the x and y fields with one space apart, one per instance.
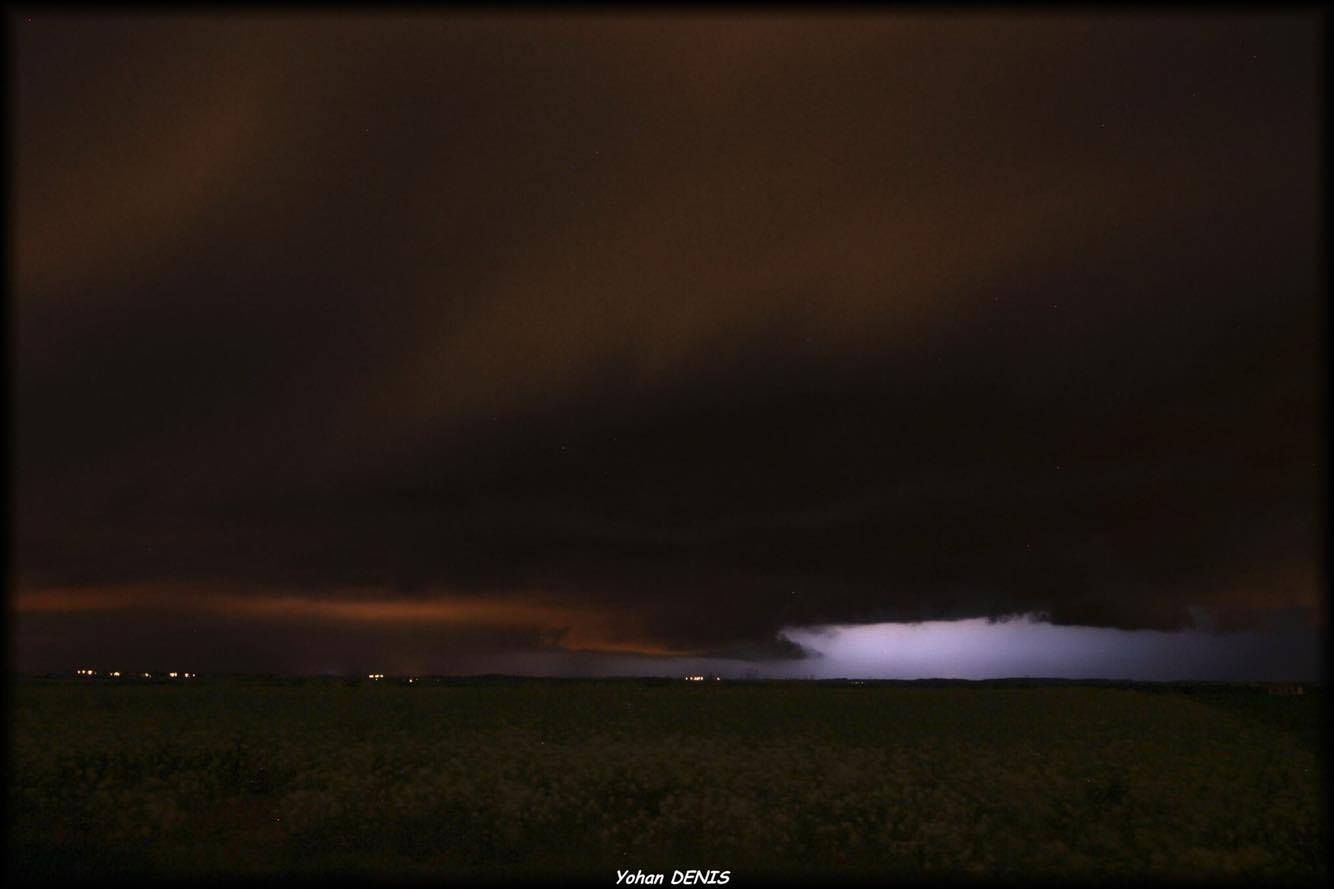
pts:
pixel 444 343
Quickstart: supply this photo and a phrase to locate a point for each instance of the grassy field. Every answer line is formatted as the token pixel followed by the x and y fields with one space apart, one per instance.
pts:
pixel 579 779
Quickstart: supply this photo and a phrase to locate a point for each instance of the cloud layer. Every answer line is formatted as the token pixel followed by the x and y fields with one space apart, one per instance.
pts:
pixel 672 331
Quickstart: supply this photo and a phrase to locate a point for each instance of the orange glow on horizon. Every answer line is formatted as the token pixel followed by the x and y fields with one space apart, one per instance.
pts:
pixel 582 630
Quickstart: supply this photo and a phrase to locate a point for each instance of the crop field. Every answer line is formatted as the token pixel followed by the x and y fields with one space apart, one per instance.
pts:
pixel 579 779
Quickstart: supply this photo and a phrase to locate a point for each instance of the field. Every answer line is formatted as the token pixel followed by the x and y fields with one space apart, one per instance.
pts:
pixel 523 780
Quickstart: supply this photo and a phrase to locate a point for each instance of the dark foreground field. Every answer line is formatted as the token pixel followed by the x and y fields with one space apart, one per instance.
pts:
pixel 540 779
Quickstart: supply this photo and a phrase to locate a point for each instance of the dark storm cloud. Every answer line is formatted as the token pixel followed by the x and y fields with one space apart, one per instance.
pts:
pixel 718 325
